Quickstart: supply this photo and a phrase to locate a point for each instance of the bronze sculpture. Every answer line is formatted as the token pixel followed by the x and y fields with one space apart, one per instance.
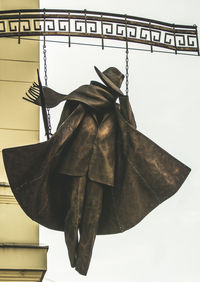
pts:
pixel 97 174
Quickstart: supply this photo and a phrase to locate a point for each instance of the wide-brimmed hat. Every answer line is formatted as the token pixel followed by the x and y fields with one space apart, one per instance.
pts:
pixel 112 78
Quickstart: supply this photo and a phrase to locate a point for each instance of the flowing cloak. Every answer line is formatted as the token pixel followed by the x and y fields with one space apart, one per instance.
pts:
pixel 96 137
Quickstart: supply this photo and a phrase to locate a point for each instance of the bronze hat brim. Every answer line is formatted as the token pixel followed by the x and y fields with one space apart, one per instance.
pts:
pixel 108 82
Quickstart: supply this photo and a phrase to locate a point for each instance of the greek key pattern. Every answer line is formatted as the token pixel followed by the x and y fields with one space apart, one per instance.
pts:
pixel 101 25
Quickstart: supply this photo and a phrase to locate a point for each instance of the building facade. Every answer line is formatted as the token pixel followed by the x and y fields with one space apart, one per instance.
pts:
pixel 22 258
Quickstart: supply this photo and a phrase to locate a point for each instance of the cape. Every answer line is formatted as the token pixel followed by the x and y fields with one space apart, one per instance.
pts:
pixel 96 137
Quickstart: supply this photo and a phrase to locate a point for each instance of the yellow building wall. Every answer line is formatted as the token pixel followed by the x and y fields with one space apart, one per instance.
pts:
pixel 19 4
pixel 21 256
pixel 19 120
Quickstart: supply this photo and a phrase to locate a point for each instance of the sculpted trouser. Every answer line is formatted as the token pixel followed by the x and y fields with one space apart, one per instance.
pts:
pixel 83 217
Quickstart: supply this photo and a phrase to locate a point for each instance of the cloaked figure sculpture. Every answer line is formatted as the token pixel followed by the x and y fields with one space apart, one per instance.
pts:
pixel 97 174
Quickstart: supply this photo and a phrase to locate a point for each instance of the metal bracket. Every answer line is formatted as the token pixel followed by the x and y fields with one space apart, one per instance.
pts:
pixel 92 24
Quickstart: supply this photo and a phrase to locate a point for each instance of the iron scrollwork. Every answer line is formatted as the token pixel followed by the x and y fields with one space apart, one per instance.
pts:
pixel 191 40
pixel 180 40
pixel 44 25
pixel 80 26
pixel 131 30
pixel 2 26
pixel 169 39
pixel 99 25
pixel 63 25
pixel 14 25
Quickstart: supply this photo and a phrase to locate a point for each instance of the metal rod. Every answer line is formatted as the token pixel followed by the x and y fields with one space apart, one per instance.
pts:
pixel 92 12
pixel 69 24
pixel 44 112
pixel 85 11
pixel 106 46
pixel 179 29
pixel 197 39
pixel 160 33
pixel 119 38
pixel 151 37
pixel 102 40
pixel 19 27
pixel 175 40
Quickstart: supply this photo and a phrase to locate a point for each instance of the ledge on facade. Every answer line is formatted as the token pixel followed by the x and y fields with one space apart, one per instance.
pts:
pixel 4 184
pixel 21 259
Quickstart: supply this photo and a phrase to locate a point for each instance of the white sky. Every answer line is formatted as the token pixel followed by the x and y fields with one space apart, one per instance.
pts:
pixel 165 97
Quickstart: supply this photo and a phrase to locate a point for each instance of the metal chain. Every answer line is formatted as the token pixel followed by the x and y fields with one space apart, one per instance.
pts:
pixel 46 81
pixel 45 60
pixel 127 68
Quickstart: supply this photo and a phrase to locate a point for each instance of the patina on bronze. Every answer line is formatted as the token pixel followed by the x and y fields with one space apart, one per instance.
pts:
pixel 97 174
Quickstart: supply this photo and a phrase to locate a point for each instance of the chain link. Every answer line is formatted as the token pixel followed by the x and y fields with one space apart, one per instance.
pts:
pixel 45 60
pixel 46 82
pixel 127 60
pixel 127 69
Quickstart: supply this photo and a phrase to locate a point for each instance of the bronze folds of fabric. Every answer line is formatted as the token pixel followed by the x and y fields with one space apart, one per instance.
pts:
pixel 97 174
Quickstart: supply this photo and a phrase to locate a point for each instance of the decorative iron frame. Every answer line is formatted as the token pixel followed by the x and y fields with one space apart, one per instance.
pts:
pixel 92 24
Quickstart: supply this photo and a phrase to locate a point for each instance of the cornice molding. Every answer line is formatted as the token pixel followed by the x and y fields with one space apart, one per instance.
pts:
pixel 6 195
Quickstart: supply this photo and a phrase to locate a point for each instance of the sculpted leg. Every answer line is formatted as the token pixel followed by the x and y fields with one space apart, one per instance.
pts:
pixel 89 225
pixel 73 217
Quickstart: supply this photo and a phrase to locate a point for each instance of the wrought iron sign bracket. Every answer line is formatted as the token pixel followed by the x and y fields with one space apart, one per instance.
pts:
pixel 106 26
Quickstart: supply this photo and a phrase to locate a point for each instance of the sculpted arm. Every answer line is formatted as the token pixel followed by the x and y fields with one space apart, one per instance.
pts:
pixel 126 111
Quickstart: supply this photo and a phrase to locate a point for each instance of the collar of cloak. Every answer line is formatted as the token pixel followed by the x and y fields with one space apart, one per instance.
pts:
pixel 95 95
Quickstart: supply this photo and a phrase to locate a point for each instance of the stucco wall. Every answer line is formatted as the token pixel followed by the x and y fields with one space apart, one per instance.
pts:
pixel 21 256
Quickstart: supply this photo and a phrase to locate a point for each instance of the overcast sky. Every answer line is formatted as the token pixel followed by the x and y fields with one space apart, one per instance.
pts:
pixel 165 96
